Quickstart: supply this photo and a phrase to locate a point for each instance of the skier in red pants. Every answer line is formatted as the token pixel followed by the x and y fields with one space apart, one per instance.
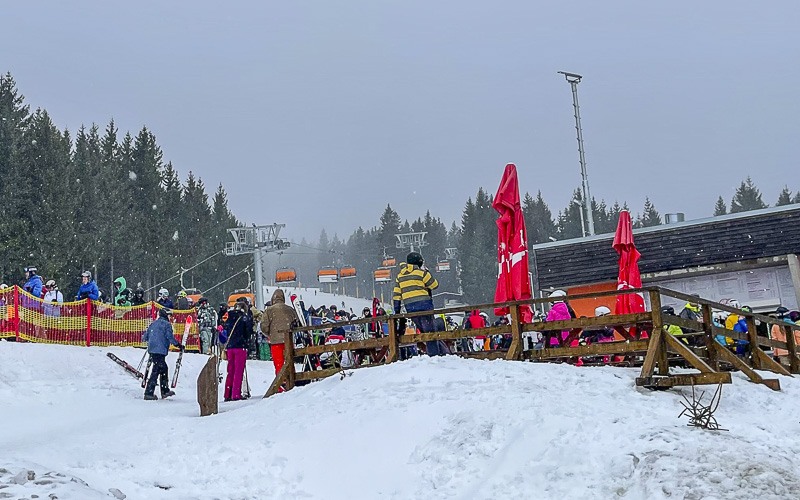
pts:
pixel 276 324
pixel 239 326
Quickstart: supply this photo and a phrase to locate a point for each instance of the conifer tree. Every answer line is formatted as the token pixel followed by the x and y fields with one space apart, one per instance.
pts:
pixel 650 216
pixel 747 197
pixel 785 198
pixel 720 208
pixel 538 219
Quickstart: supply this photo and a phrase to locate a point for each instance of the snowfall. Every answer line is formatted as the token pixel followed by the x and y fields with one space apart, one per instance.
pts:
pixel 75 426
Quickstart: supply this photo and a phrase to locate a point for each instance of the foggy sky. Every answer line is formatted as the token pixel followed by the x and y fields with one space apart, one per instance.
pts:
pixel 306 110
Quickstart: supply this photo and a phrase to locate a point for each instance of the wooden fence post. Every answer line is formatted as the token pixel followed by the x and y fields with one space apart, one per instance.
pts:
pixel 658 325
pixel 16 311
pixel 515 350
pixel 391 356
pixel 752 337
pixel 88 322
pixel 791 346
pixel 708 327
pixel 288 360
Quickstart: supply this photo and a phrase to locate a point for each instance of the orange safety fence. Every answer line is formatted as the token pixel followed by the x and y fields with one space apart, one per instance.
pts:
pixel 86 322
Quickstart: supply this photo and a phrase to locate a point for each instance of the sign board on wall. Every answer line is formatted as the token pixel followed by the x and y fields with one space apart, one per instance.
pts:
pixel 763 289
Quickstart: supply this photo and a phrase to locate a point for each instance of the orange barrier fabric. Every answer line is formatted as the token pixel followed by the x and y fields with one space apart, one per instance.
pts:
pixel 84 322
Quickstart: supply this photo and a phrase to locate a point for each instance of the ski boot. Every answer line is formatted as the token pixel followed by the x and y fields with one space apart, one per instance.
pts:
pixel 165 395
pixel 150 397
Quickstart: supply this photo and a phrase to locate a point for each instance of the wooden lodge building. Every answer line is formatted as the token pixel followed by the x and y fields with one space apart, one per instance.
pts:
pixel 750 257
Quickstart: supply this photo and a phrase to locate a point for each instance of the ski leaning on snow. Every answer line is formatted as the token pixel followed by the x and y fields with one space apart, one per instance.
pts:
pixel 128 368
pixel 180 356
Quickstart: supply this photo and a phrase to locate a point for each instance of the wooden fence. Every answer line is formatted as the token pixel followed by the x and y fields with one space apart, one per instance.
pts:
pixel 645 342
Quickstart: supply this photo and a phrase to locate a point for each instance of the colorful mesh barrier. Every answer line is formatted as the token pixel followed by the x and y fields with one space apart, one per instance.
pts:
pixel 28 318
pixel 7 313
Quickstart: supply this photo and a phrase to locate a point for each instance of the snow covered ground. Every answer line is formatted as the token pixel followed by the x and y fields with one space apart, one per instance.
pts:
pixel 420 429
pixel 316 297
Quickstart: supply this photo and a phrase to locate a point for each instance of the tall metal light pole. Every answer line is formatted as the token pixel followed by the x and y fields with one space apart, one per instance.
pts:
pixel 574 79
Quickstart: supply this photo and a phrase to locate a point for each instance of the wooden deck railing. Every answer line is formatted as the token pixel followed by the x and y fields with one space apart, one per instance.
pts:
pixel 643 334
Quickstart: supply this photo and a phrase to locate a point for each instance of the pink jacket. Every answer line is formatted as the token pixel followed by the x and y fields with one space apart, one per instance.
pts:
pixel 558 312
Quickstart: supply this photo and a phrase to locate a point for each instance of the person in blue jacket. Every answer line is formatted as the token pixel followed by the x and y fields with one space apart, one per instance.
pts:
pixel 33 285
pixel 159 336
pixel 88 289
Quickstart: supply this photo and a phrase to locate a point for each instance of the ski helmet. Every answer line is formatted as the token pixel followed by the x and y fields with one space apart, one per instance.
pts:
pixel 558 293
pixel 86 274
pixel 201 301
pixel 165 312
pixel 3 286
pixel 31 270
pixel 163 292
pixel 668 310
pixel 414 258
pixel 602 311
pixel 50 284
pixel 182 293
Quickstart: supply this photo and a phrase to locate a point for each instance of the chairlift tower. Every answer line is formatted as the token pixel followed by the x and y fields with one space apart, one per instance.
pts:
pixel 256 240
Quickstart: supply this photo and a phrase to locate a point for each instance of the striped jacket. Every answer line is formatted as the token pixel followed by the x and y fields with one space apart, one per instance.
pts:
pixel 413 284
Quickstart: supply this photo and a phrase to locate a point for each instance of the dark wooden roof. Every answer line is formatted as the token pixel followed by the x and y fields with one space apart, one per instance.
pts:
pixel 731 238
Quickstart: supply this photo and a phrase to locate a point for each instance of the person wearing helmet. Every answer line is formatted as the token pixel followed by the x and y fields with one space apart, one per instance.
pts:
pixel 164 300
pixel 182 302
pixel 88 289
pixel 414 287
pixel 138 297
pixel 558 311
pixel 122 294
pixel 53 293
pixel 206 323
pixel 159 336
pixel 33 283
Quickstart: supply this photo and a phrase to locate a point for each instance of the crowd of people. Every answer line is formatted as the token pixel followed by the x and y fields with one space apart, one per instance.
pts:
pixel 244 332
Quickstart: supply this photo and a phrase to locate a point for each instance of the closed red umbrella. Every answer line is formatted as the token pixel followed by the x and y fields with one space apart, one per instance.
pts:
pixel 513 282
pixel 628 267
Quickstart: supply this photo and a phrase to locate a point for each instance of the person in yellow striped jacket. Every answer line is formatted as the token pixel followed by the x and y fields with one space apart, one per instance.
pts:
pixel 414 287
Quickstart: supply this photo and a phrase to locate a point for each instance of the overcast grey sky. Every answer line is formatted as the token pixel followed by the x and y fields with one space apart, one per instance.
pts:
pixel 305 110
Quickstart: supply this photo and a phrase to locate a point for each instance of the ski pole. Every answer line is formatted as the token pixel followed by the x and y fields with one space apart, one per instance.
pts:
pixel 141 363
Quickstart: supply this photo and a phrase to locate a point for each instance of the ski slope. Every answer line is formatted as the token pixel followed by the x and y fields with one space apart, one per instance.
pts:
pixel 432 428
pixel 316 297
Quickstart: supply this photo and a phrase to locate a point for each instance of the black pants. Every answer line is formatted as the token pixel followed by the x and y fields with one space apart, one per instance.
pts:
pixel 159 374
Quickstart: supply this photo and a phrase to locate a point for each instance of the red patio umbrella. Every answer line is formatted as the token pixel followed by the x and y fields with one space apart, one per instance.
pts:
pixel 628 267
pixel 513 281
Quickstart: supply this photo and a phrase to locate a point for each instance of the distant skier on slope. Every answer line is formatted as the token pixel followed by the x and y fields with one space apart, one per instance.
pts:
pixel 159 337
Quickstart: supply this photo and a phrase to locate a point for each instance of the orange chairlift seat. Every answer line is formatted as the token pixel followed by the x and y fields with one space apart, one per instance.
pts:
pixel 389 262
pixel 285 275
pixel 328 275
pixel 347 272
pixel 443 265
pixel 383 275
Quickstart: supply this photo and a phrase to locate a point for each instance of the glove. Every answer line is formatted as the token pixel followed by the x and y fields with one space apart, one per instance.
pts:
pixel 219 328
pixel 182 347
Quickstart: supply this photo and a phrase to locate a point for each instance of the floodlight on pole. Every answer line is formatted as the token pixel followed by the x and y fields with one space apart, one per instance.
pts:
pixel 574 79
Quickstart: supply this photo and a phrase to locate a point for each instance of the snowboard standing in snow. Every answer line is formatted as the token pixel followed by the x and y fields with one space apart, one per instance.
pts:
pixel 128 368
pixel 183 346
